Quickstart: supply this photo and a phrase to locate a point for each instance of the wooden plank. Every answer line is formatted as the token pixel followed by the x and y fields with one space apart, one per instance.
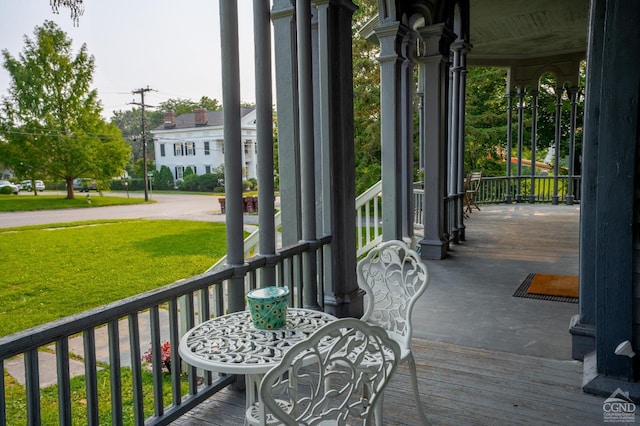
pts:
pixel 462 386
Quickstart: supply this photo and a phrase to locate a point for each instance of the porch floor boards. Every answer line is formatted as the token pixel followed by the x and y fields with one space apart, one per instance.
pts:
pixel 461 386
pixel 484 357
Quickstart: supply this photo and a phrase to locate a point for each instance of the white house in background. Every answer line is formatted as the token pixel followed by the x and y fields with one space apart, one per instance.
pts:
pixel 196 140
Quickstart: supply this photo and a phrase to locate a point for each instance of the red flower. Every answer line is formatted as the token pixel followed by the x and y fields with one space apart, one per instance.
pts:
pixel 165 356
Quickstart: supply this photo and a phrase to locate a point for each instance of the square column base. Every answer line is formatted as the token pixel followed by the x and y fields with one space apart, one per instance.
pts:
pixel 597 384
pixel 433 249
pixel 583 338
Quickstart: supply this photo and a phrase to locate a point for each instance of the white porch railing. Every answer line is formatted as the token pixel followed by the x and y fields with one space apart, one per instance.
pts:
pixel 368 219
pixel 368 226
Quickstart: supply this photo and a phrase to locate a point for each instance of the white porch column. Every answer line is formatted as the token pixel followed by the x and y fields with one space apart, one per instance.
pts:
pixel 264 124
pixel 307 153
pixel 333 109
pixel 407 90
pixel 521 107
pixel 462 95
pixel 558 122
pixel 573 93
pixel 233 148
pixel 286 82
pixel 534 136
pixel 391 36
pixel 510 97
pixel 437 39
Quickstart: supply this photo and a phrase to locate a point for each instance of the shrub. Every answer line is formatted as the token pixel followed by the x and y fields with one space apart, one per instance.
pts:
pixel 165 356
pixel 6 190
pixel 163 178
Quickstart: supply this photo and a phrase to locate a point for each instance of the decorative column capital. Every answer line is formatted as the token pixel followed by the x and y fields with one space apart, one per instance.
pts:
pixel 391 36
pixel 460 45
pixel 437 39
pixel 282 9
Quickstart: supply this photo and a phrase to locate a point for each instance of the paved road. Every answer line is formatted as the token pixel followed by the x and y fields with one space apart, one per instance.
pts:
pixel 167 206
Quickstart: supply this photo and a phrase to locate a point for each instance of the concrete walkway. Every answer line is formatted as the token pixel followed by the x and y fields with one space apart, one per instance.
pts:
pixel 47 360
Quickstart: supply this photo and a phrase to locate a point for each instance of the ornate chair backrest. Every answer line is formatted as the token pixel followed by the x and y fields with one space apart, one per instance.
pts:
pixel 394 277
pixel 323 377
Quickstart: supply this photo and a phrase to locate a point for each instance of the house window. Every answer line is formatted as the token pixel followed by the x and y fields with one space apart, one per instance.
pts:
pixel 206 149
pixel 179 172
pixel 191 148
pixel 178 149
pixel 220 144
pixel 162 153
pixel 207 169
pixel 194 169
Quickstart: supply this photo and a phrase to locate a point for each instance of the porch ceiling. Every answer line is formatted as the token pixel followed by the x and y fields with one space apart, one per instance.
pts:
pixel 504 31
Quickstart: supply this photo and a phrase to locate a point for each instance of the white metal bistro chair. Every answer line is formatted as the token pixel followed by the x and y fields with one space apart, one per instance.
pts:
pixel 336 385
pixel 394 277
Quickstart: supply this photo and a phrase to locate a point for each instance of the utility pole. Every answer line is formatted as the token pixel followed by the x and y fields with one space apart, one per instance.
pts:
pixel 142 105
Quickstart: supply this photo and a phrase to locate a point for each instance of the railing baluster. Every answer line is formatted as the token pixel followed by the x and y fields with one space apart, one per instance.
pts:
pixel 64 381
pixel 91 376
pixel 321 277
pixel 218 290
pixel 189 316
pixel 359 227
pixel 301 282
pixel 116 378
pixel 136 369
pixel 32 384
pixel 156 356
pixel 204 314
pixel 3 397
pixel 174 339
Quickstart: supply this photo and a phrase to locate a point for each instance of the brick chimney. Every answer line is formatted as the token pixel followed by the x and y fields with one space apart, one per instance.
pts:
pixel 201 117
pixel 169 119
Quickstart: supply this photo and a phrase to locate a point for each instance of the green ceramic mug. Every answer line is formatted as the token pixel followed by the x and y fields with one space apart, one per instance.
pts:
pixel 268 307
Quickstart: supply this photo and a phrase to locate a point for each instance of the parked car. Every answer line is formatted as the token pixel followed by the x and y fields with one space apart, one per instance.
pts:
pixel 14 188
pixel 84 185
pixel 25 185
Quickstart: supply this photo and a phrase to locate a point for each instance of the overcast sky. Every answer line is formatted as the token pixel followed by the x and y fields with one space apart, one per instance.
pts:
pixel 171 46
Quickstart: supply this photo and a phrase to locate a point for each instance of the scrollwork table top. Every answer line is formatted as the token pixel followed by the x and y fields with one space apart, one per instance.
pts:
pixel 231 344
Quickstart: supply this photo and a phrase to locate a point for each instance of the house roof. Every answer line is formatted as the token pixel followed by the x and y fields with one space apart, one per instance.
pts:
pixel 188 120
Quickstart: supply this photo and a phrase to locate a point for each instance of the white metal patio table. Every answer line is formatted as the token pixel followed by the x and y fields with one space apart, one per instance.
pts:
pixel 231 344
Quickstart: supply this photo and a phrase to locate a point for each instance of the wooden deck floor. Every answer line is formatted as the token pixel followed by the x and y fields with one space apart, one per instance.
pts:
pixel 462 386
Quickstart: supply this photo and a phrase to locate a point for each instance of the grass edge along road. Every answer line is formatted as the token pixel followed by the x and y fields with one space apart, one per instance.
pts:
pixel 13 203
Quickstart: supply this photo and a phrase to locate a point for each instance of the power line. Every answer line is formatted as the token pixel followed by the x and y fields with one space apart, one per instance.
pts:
pixel 142 105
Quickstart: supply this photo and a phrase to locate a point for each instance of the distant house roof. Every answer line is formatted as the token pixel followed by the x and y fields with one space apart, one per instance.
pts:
pixel 195 119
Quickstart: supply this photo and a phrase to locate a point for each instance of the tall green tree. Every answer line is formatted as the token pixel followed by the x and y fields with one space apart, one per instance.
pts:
pixel 130 124
pixel 485 119
pixel 51 120
pixel 366 100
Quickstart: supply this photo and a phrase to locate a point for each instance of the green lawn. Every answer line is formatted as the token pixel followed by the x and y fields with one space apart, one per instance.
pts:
pixel 51 271
pixel 13 203
pixel 17 399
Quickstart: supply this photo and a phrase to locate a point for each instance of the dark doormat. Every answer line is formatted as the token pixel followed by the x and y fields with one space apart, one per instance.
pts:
pixel 557 288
